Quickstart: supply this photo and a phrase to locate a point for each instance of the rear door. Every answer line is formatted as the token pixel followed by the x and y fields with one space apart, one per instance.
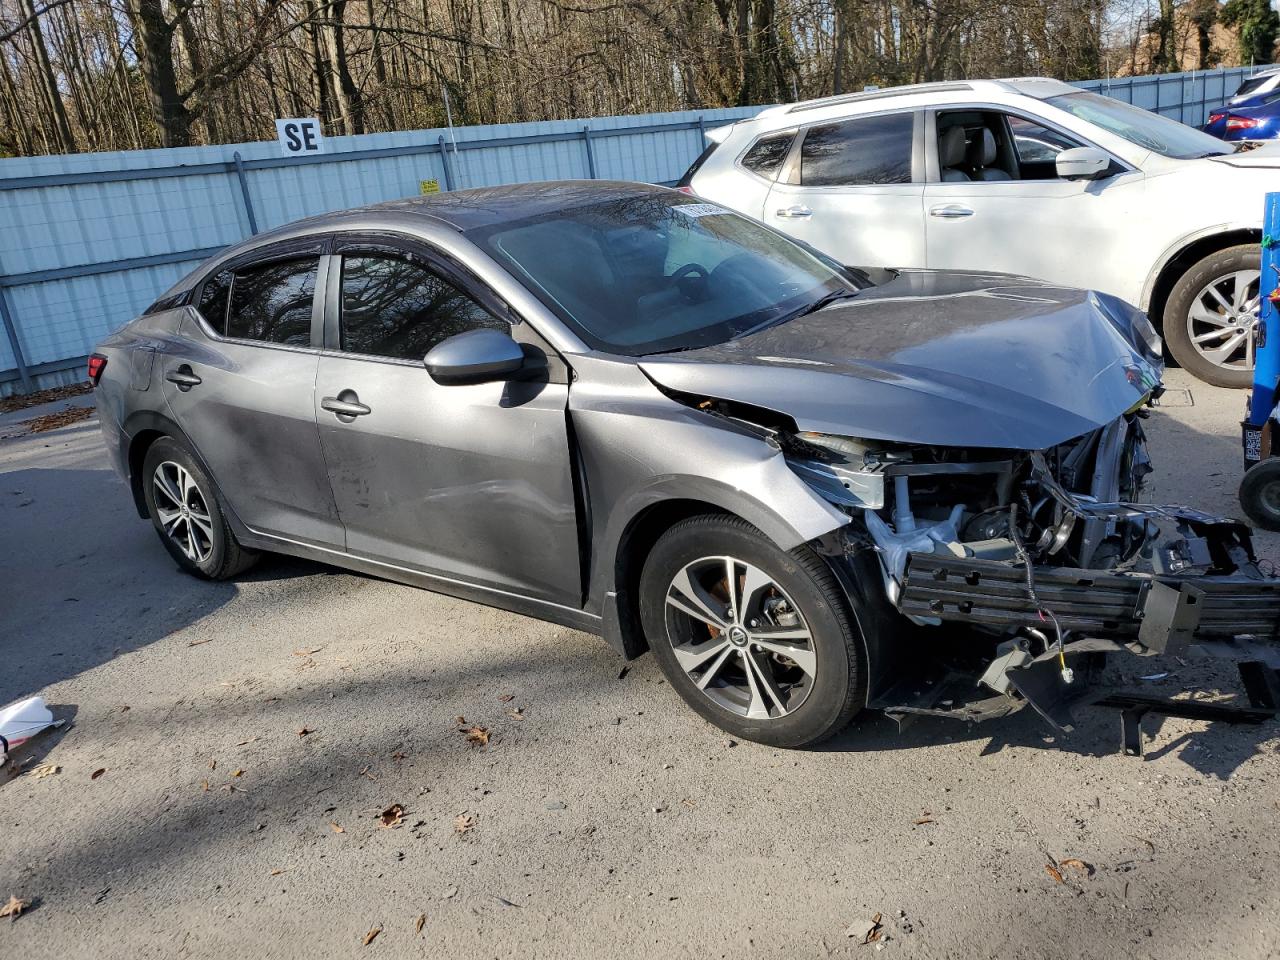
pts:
pixel 241 387
pixel 470 483
pixel 854 189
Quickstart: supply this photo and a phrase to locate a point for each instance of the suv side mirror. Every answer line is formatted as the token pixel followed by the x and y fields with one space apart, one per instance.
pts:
pixel 477 356
pixel 1082 163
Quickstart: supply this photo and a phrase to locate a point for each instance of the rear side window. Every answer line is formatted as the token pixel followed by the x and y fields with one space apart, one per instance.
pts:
pixel 214 297
pixel 766 157
pixel 1250 85
pixel 272 302
pixel 868 150
pixel 398 308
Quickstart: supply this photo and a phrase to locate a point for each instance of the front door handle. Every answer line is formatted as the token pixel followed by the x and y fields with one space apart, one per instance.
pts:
pixel 794 212
pixel 184 378
pixel 346 406
pixel 951 211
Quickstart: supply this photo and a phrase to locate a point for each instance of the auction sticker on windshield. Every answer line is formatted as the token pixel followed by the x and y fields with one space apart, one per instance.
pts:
pixel 699 209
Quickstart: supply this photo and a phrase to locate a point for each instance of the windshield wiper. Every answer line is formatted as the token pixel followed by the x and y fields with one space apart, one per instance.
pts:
pixel 823 301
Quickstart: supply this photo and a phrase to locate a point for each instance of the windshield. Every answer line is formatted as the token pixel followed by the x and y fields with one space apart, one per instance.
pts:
pixel 657 272
pixel 1142 127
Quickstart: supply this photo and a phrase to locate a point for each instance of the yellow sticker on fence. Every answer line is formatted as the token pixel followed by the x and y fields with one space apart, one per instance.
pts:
pixel 428 186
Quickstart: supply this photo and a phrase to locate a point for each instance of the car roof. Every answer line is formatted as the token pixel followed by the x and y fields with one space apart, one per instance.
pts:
pixel 921 94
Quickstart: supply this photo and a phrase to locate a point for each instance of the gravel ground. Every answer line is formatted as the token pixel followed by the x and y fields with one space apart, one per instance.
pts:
pixel 602 819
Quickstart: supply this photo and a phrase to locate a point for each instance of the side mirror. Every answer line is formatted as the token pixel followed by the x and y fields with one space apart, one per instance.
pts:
pixel 477 356
pixel 1082 163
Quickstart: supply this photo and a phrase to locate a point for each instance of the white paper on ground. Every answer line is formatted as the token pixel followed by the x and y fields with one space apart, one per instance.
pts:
pixel 21 721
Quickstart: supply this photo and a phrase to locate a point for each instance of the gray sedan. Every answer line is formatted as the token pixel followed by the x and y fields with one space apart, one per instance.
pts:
pixel 805 487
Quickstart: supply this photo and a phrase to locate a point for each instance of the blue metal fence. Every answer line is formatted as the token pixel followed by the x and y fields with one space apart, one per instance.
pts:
pixel 88 240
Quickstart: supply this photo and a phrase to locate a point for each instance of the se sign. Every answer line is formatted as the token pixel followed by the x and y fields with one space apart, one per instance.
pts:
pixel 299 137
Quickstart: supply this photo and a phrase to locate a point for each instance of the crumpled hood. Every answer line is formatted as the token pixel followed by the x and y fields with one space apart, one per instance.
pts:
pixel 1266 156
pixel 936 357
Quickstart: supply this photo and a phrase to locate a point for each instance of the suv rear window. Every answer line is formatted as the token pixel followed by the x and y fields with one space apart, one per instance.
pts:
pixel 866 150
pixel 766 156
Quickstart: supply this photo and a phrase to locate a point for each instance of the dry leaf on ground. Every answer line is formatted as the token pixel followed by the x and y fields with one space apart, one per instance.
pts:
pixel 419 923
pixel 63 418
pixel 1075 864
pixel 45 770
pixel 393 816
pixel 369 937
pixel 516 714
pixel 14 908
pixel 196 643
pixel 276 873
pixel 463 822
pixel 336 828
pixel 506 698
pixel 306 653
pixel 476 736
pixel 303 731
pixel 97 773
pixel 870 933
pixel 1054 872
pixel 237 772
pixel 204 786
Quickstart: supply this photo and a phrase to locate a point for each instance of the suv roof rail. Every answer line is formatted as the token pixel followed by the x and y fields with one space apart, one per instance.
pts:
pixel 946 86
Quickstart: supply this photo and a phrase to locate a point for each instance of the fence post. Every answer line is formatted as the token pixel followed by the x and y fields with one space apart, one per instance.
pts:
pixel 12 331
pixel 444 161
pixel 244 192
pixel 591 156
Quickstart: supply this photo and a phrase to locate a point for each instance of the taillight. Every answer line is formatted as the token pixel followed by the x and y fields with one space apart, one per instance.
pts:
pixel 1215 117
pixel 97 363
pixel 1241 123
pixel 686 190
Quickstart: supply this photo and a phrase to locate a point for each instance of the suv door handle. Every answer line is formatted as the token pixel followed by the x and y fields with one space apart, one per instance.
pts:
pixel 795 212
pixel 346 406
pixel 951 211
pixel 183 377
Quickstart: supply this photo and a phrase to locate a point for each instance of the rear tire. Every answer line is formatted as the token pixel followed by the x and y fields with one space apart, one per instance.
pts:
pixel 774 658
pixel 186 512
pixel 1260 494
pixel 1193 312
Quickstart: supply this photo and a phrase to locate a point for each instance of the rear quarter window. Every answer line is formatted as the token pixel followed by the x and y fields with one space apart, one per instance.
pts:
pixel 766 156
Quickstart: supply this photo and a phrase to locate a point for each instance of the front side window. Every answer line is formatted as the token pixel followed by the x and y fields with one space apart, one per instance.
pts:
pixel 659 272
pixel 1038 144
pixel 1141 127
pixel 767 154
pixel 867 150
pixel 396 307
pixel 272 301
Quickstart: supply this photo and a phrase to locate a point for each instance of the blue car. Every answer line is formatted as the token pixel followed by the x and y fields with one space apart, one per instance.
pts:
pixel 1252 114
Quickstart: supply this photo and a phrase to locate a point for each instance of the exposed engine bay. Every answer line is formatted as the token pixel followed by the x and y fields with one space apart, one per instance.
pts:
pixel 1038 564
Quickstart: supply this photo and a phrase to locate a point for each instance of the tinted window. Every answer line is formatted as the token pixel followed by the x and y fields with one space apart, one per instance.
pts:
pixel 272 302
pixel 1250 85
pixel 866 150
pixel 395 307
pixel 766 157
pixel 653 272
pixel 214 298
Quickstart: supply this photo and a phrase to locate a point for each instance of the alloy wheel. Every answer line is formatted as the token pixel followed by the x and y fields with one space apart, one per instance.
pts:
pixel 740 638
pixel 183 510
pixel 1223 318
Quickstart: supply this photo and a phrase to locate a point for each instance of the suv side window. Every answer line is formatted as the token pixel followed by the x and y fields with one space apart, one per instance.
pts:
pixel 393 306
pixel 1038 145
pixel 767 154
pixel 215 296
pixel 272 301
pixel 866 150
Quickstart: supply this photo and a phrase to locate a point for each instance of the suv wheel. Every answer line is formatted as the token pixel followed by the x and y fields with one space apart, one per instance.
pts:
pixel 185 510
pixel 755 639
pixel 1211 318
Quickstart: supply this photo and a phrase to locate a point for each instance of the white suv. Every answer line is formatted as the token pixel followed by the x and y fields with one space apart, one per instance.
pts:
pixel 1030 177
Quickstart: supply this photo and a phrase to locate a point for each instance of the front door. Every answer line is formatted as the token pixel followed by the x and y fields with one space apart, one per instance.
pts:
pixel 471 483
pixel 1013 214
pixel 241 385
pixel 854 189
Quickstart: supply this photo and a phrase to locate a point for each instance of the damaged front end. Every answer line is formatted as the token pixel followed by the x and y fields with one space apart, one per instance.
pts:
pixel 1039 564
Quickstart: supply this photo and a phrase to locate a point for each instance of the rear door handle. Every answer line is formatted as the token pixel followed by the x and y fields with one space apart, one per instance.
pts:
pixel 951 211
pixel 346 406
pixel 184 378
pixel 796 212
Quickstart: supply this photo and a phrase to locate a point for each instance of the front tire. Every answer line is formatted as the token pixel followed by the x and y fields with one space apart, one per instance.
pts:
pixel 187 514
pixel 1260 494
pixel 755 639
pixel 1211 317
